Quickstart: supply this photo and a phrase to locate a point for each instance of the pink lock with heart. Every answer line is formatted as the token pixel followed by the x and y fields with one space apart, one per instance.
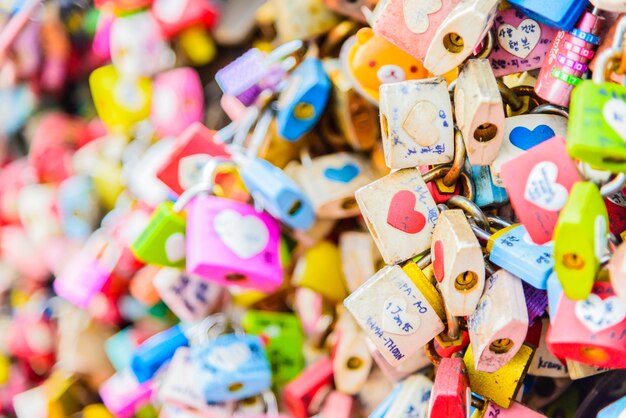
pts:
pixel 230 243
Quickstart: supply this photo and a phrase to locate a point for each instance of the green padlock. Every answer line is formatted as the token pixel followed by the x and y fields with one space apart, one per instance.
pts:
pixel 597 125
pixel 162 242
pixel 285 340
pixel 580 240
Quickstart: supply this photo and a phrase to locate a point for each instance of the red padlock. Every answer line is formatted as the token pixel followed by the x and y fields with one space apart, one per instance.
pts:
pixel 451 395
pixel 305 395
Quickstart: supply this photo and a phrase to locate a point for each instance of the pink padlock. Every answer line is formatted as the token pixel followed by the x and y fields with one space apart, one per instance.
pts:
pixel 178 101
pixel 123 395
pixel 232 244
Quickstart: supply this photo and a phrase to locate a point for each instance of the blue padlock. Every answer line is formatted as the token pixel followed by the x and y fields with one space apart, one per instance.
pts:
pixel 231 367
pixel 555 293
pixel 487 193
pixel 277 193
pixel 511 249
pixel 613 410
pixel 303 101
pixel 120 347
pixel 156 351
pixel 561 14
pixel 78 207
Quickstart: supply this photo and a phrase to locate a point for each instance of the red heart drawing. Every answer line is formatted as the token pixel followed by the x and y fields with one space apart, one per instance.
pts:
pixel 402 214
pixel 438 260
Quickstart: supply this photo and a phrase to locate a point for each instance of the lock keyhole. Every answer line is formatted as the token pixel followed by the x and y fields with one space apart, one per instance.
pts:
pixel 354 363
pixel 573 261
pixel 304 111
pixel 349 204
pixel 501 346
pixel 235 277
pixel 595 353
pixel 235 387
pixel 453 42
pixel 485 132
pixel 466 281
pixel 295 208
pixel 384 126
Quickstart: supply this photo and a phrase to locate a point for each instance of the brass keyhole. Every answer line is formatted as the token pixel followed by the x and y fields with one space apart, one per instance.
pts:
pixel 297 205
pixel 348 204
pixel 453 42
pixel 304 111
pixel 596 354
pixel 384 126
pixel 354 363
pixel 235 387
pixel 235 277
pixel 573 261
pixel 614 160
pixel 485 132
pixel 466 281
pixel 501 346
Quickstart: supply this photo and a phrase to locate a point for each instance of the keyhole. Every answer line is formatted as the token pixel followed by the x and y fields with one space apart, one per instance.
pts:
pixel 485 132
pixel 573 261
pixel 295 208
pixel 235 277
pixel 349 204
pixel 384 126
pixel 466 281
pixel 501 346
pixel 304 111
pixel 235 387
pixel 354 363
pixel 596 354
pixel 453 42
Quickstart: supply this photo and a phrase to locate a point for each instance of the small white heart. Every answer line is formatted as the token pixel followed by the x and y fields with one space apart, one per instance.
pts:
pixel 230 357
pixel 169 11
pixel 175 247
pixel 246 236
pixel 597 314
pixel 416 13
pixel 542 188
pixel 190 169
pixel 521 40
pixel 614 112
pixel 397 319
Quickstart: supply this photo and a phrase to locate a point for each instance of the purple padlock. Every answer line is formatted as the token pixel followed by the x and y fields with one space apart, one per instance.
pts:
pixel 230 243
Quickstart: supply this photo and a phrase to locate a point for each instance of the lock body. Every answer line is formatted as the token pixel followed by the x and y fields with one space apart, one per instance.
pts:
pixel 352 361
pixel 544 363
pixel 416 123
pixel 151 354
pixel 487 193
pixel 123 395
pixel 562 15
pixel 245 244
pixel 304 395
pixel 303 19
pixel 400 214
pixel 319 269
pixel 451 395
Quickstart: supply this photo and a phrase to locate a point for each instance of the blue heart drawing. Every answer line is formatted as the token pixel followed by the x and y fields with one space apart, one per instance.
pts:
pixel 345 174
pixel 524 138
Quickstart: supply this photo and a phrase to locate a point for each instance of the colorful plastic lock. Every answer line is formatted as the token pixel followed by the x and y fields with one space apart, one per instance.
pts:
pixel 562 15
pixel 450 396
pixel 150 355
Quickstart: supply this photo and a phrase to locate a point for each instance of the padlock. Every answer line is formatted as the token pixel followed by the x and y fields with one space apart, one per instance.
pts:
pixel 284 342
pixel 479 112
pixel 458 263
pixel 498 327
pixel 512 249
pixel 173 16
pixel 359 258
pixel 371 61
pixel 416 123
pixel 426 285
pixel 245 244
pixel 123 395
pixel 304 395
pixel 487 194
pixel 596 126
pixel 319 269
pixel 521 43
pixel 197 44
pixel 352 361
pixel 591 330
pixel 515 410
pixel 523 133
pixel 189 297
pixel 569 57
pixel 176 387
pixel 580 240
pixel 162 242
pixel 276 192
pixel 137 46
pixel 151 354
pixel 501 386
pixel 178 101
pixel 302 102
pixel 413 397
pixel 538 183
pixel 614 409
pixel 351 8
pixel 458 34
pixel 400 214
pixel 120 102
pixel 544 363
pixel 193 148
pixel 613 6
pixel 302 20
pixel 338 405
pixel 394 314
pixel 78 207
pixel 142 287
pixel 84 275
pixel 617 272
pixel 451 395
pixel 562 15
pixel 414 363
pixel 438 190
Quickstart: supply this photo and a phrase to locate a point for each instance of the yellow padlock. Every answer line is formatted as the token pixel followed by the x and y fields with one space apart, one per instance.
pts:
pixel 198 45
pixel 96 410
pixel 320 270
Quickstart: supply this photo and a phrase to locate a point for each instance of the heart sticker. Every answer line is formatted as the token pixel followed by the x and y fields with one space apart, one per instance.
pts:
pixel 345 174
pixel 169 11
pixel 246 236
pixel 542 188
pixel 396 319
pixel 402 214
pixel 190 169
pixel 523 138
pixel 521 40
pixel 438 260
pixel 175 247
pixel 416 14
pixel 419 123
pixel 229 358
pixel 597 314
pixel 614 112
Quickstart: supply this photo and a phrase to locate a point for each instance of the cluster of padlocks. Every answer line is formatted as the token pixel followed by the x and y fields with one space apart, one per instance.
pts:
pixel 312 208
